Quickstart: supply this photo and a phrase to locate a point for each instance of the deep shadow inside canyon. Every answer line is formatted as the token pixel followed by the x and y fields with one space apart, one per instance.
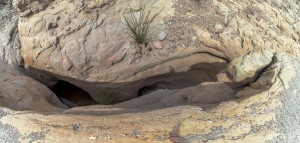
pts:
pixel 72 95
pixel 111 93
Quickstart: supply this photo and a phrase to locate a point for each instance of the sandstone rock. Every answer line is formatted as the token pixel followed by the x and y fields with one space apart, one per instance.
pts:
pixel 223 76
pixel 259 113
pixel 243 31
pixel 157 45
pixel 87 44
pixel 204 93
pixel 11 52
pixel 88 37
pixel 84 43
pixel 9 37
pixel 30 7
pixel 209 93
pixel 246 69
pixel 19 92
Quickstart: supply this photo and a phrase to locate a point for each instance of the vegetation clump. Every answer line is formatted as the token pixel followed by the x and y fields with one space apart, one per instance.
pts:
pixel 138 26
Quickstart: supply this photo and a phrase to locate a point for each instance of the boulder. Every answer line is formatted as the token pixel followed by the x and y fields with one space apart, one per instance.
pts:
pixel 20 92
pixel 245 69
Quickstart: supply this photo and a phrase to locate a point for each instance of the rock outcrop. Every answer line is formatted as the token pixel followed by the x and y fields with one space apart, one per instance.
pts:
pixel 85 42
pixel 9 37
pixel 20 92
pixel 214 71
pixel 247 68
pixel 265 111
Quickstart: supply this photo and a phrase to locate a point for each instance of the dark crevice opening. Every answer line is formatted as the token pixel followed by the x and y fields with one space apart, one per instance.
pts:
pixel 146 90
pixel 71 95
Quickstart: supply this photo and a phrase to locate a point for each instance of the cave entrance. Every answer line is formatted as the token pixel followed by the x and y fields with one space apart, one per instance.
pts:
pixel 147 89
pixel 71 95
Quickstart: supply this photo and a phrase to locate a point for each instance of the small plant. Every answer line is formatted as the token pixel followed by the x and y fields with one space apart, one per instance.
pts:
pixel 138 27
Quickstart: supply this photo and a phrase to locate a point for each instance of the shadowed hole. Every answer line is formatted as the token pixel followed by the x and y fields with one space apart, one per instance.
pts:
pixel 71 95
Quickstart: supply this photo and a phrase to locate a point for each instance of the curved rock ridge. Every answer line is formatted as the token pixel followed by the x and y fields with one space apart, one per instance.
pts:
pixel 266 110
pixel 20 92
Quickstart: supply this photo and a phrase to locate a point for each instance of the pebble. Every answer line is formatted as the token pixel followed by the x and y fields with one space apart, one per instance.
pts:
pixel 194 38
pixel 161 36
pixel 77 127
pixel 92 138
pixel 157 45
pixel 219 27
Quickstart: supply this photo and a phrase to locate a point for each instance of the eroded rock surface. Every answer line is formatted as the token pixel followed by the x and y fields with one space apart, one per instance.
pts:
pixel 87 41
pixel 20 92
pixel 9 38
pixel 265 111
pixel 246 69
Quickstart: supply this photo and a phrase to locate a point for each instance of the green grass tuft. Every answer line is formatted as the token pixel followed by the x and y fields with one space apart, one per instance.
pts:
pixel 138 26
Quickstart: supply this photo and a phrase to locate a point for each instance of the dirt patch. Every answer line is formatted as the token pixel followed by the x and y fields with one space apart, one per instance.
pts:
pixel 36 136
pixel 8 134
pixel 3 113
pixel 288 116
pixel 202 13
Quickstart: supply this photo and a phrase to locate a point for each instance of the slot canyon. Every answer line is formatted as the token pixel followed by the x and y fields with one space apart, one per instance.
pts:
pixel 153 71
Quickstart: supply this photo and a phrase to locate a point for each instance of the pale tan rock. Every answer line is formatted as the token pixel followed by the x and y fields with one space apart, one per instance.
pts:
pixel 210 93
pixel 10 52
pixel 84 42
pixel 157 45
pixel 246 68
pixel 204 93
pixel 223 76
pixel 87 40
pixel 219 27
pixel 259 113
pixel 19 92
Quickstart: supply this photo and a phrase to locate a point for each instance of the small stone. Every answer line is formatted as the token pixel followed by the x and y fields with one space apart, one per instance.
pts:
pixel 77 127
pixel 161 36
pixel 219 27
pixel 194 38
pixel 295 91
pixel 189 14
pixel 157 45
pixel 92 138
